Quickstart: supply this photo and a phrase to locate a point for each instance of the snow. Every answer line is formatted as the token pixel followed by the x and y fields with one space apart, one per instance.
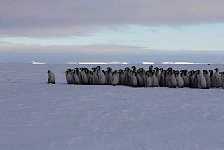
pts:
pixel 38 116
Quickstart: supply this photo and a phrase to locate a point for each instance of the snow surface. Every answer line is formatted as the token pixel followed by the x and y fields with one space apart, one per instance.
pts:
pixel 38 116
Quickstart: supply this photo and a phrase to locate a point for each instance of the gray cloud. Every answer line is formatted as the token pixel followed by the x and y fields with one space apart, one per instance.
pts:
pixel 57 17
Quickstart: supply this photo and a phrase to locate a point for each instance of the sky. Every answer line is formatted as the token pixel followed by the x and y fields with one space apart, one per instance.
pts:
pixel 56 31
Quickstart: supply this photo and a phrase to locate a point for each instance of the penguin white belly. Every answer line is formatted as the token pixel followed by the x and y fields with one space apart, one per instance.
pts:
pixel 155 81
pixel 69 78
pixel 133 81
pixel 115 79
pixel 76 79
pixel 201 82
pixel 180 81
pixel 148 82
pixel 84 77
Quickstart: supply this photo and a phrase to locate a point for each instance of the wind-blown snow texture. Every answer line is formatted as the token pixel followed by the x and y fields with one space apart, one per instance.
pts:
pixel 38 116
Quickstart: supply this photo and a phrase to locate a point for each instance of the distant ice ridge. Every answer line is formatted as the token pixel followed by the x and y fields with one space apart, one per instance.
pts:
pixel 177 63
pixel 71 63
pixel 37 63
pixel 97 63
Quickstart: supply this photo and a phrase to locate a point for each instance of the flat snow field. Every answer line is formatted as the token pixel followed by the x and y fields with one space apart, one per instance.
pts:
pixel 38 116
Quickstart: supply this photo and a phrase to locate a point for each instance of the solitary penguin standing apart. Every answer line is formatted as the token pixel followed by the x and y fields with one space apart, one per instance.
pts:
pixel 51 77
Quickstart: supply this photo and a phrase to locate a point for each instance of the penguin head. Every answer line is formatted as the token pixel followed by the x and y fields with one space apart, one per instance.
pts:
pixel 48 71
pixel 216 69
pixel 150 67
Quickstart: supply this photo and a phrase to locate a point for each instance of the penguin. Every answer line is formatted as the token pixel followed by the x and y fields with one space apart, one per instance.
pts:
pixel 217 78
pixel 121 77
pixel 222 80
pixel 162 78
pixel 115 80
pixel 77 71
pixel 196 79
pixel 212 78
pixel 89 77
pixel 69 76
pixel 173 80
pixel 51 77
pixel 133 79
pixel 75 77
pixel 155 81
pixel 180 80
pixel 109 75
pixel 142 74
pixel 148 80
pixel 157 73
pixel 84 76
pixel 207 78
pixel 95 76
pixel 191 78
pixel 101 76
pixel 201 80
pixel 185 77
pixel 139 79
pixel 168 81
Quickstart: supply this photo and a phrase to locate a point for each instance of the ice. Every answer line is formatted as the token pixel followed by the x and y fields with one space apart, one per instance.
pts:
pixel 39 116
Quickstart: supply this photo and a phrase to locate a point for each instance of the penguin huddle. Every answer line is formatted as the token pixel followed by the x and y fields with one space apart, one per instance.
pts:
pixel 153 77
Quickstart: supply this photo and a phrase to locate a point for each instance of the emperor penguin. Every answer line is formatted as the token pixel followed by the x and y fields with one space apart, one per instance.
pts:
pixel 115 80
pixel 51 77
pixel 75 77
pixel 84 76
pixel 155 81
pixel 142 74
pixel 168 81
pixel 212 78
pixel 201 80
pixel 133 79
pixel 148 82
pixel 180 80
pixel 69 76
pixel 217 78
pixel 90 77
pixel 121 77
pixel 157 73
pixel 222 79
pixel 162 78
pixel 109 75
pixel 207 78
pixel 95 76
pixel 173 80
pixel 139 79
pixel 127 73
pixel 185 77
pixel 101 75
pixel 77 71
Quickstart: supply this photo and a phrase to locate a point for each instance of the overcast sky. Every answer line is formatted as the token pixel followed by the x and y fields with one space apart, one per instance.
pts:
pixel 132 30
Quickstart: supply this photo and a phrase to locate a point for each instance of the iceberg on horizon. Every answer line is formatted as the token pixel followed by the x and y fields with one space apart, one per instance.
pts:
pixel 37 63
pixel 148 63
